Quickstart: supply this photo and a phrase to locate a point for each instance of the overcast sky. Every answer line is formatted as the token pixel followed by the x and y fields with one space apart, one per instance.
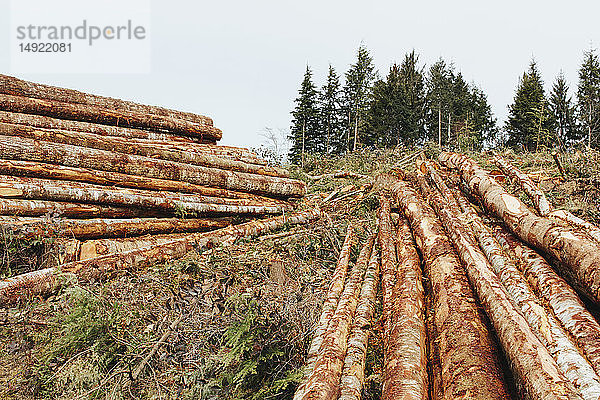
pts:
pixel 241 62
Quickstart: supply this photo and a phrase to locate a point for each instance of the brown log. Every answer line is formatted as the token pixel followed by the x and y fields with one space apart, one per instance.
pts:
pixel 18 87
pixel 14 148
pixel 43 281
pixel 105 178
pixel 101 247
pixel 388 258
pixel 468 356
pixel 580 224
pixel 530 360
pixel 324 382
pixel 128 119
pixel 336 287
pixel 353 373
pixel 43 189
pixel 151 149
pixel 575 250
pixel 38 208
pixel 105 228
pixel 405 353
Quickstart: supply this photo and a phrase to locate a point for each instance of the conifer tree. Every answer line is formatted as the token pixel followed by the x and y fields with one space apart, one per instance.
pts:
pixel 385 117
pixel 588 97
pixel 413 107
pixel 305 121
pixel 331 114
pixel 563 113
pixel 439 100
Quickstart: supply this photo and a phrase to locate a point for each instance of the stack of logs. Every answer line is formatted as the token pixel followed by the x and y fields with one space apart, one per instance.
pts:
pixel 107 176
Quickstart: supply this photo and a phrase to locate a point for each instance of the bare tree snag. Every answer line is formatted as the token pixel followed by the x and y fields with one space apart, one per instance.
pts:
pixel 353 374
pixel 40 282
pixel 576 251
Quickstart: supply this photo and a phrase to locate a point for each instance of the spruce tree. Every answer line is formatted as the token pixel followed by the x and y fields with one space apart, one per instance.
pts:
pixel 529 121
pixel 588 97
pixel 305 121
pixel 439 100
pixel 385 116
pixel 413 107
pixel 563 113
pixel 331 114
pixel 357 91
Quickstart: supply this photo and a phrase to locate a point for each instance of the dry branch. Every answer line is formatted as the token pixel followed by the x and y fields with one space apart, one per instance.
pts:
pixel 340 174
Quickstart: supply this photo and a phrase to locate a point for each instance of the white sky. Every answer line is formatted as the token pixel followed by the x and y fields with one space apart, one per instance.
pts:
pixel 241 62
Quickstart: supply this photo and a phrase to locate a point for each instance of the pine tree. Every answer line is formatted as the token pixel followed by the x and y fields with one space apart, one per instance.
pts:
pixel 331 114
pixel 385 118
pixel 588 96
pixel 305 121
pixel 357 92
pixel 413 107
pixel 528 120
pixel 563 113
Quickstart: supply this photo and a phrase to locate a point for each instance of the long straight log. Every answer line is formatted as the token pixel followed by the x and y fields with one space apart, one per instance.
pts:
pixel 137 147
pixel 544 323
pixel 15 148
pixel 353 373
pixel 87 113
pixel 388 259
pixel 43 189
pixel 468 356
pixel 324 382
pixel 101 247
pixel 531 361
pixel 575 250
pixel 563 300
pixel 336 287
pixel 405 353
pixel 106 228
pixel 18 87
pixel 43 281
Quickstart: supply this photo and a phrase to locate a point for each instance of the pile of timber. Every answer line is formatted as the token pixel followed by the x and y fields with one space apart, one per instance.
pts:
pixel 83 168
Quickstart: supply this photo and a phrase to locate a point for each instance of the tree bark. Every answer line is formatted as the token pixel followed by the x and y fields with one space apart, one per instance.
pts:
pixel 576 251
pixel 15 148
pixel 18 87
pixel 39 208
pixel 43 281
pixel 88 113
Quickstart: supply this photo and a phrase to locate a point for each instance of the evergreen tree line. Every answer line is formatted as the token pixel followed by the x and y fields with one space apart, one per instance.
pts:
pixel 412 105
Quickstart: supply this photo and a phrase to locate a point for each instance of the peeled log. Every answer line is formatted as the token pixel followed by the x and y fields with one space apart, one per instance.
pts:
pixel 575 250
pixel 336 286
pixel 87 113
pixel 42 189
pixel 15 148
pixel 324 382
pixel 468 357
pixel 565 303
pixel 405 353
pixel 531 362
pixel 105 228
pixel 41 282
pixel 138 147
pixel 353 373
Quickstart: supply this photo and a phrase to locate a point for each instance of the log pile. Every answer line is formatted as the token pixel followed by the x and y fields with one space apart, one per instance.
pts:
pixel 83 168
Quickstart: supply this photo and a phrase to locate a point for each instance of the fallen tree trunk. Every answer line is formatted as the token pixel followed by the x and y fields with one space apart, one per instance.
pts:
pixel 151 149
pixel 101 247
pixel 87 113
pixel 353 373
pixel 405 353
pixel 463 340
pixel 18 87
pixel 584 226
pixel 388 259
pixel 324 382
pixel 531 362
pixel 15 148
pixel 336 286
pixel 42 189
pixel 39 208
pixel 105 228
pixel 43 281
pixel 573 249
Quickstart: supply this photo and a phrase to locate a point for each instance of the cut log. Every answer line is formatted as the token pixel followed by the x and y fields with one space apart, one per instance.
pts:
pixel 405 353
pixel 578 223
pixel 336 287
pixel 353 374
pixel 42 189
pixel 467 353
pixel 104 228
pixel 388 259
pixel 324 382
pixel 532 364
pixel 14 148
pixel 43 281
pixel 18 87
pixel 575 250
pixel 128 119
pixel 151 149
pixel 101 247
